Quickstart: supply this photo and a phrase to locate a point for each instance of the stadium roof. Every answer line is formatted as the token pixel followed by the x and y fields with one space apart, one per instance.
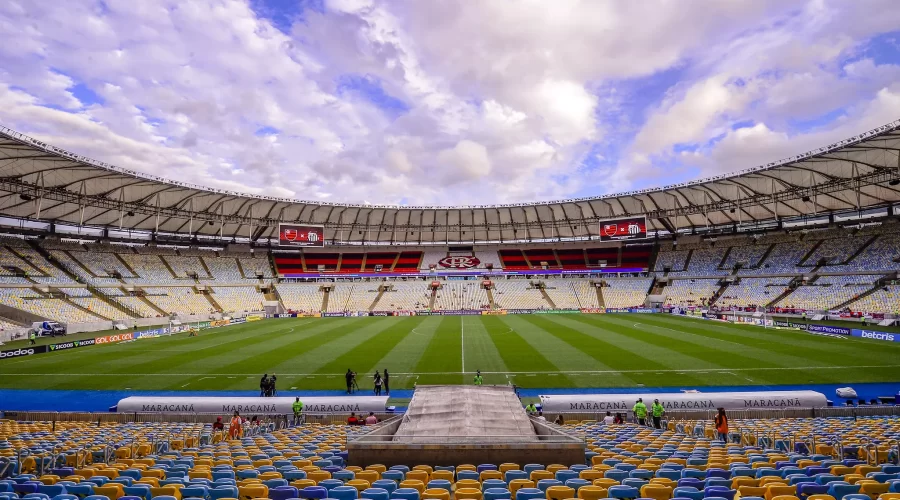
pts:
pixel 41 182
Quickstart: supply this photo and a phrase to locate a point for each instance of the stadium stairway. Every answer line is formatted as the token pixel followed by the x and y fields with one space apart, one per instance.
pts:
pixel 112 303
pixel 380 294
pixel 488 291
pixel 878 284
pixel 152 306
pixel 546 297
pixel 212 301
pixel 790 289
pixel 99 316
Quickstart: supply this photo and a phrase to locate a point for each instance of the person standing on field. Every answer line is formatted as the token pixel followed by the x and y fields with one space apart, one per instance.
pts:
pixel 377 384
pixel 640 411
pixel 297 407
pixel 657 411
pixel 387 385
pixel 479 380
pixel 263 385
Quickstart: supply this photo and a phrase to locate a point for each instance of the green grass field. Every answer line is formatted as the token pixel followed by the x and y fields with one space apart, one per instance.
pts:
pixel 540 351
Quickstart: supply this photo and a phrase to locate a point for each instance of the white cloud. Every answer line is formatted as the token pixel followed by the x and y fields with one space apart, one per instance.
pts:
pixel 501 101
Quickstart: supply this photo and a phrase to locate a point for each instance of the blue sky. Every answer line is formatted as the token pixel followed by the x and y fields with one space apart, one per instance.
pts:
pixel 452 102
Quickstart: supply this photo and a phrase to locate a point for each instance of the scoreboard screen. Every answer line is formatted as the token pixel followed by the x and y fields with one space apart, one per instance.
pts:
pixel 293 235
pixel 629 228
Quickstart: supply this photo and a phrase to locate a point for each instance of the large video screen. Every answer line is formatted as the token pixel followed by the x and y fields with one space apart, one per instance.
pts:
pixel 293 235
pixel 629 228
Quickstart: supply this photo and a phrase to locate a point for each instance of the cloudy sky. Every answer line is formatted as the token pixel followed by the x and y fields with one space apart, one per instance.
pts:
pixel 445 101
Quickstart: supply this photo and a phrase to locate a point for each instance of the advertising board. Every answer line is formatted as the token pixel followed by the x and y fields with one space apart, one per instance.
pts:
pixel 628 228
pixel 295 235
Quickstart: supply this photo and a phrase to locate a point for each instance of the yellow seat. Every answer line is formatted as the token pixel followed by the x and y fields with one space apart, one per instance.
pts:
pixel 840 470
pixel 360 484
pixel 111 490
pixel 820 497
pixel 418 475
pixel 664 481
pixel 414 484
pixel 152 481
pixel 656 492
pixel 777 490
pixel 865 469
pixel 318 475
pixel 466 467
pixel 890 496
pixel 786 497
pixel 468 494
pixel 442 474
pixel 537 475
pixel 368 475
pixel 158 474
pixel 766 481
pixel 251 491
pixel 853 478
pixel 49 479
pixel 379 468
pixel 743 481
pixel 467 483
pixel 873 488
pixel 592 492
pixel 554 468
pixel 752 491
pixel 302 483
pixel 560 493
pixel 590 474
pixel 436 494
pixel 200 474
pixel 490 474
pixel 517 484
pixel 508 467
pixel 605 482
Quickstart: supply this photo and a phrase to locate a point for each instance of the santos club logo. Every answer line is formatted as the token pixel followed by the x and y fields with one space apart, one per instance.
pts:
pixel 459 262
pixel 634 229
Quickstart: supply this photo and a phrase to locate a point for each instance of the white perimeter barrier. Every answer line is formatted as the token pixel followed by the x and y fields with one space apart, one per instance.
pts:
pixel 251 405
pixel 685 401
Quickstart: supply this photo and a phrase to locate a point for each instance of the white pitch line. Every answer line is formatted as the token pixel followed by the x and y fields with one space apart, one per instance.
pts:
pixel 584 372
pixel 462 334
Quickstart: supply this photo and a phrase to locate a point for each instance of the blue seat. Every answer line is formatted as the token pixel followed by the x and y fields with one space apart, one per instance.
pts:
pixel 197 491
pixel 693 473
pixel 139 490
pixel 343 493
pixel 717 481
pixel 577 483
pixel 375 494
pixel 641 474
pixel 565 474
pixel 224 474
pixel 224 482
pixel 490 483
pixel 66 496
pixel 857 496
pixel 467 474
pixel 37 496
pixel 132 473
pixel 273 483
pixel 223 492
pixel 806 489
pixel 625 467
pixel 529 494
pixel 406 494
pixel 828 478
pixel 26 488
pixel 512 475
pixel 52 490
pixel 97 497
pixel 719 491
pixel 497 494
pixel 543 484
pixel 314 492
pixel 692 482
pixel 81 490
pixel 672 474
pixel 895 486
pixel 293 475
pixel 840 489
pixel 344 475
pixel 529 468
pixel 330 484
pixel 394 475
pixel 385 484
pixel 443 484
pixel 622 491
pixel 164 497
pixel 615 475
pixel 721 473
pixel 635 482
pixel 688 492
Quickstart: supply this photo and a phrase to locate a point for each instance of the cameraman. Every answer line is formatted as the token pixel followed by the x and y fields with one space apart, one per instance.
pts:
pixel 350 377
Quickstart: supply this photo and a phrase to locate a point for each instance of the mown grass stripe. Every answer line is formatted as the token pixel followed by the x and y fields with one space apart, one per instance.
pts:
pixel 442 354
pixel 519 355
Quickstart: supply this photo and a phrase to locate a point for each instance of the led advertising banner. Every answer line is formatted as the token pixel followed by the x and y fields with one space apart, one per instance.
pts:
pixel 294 235
pixel 629 228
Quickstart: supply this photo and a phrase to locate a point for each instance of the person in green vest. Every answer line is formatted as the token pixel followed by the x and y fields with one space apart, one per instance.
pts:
pixel 657 411
pixel 33 337
pixel 640 411
pixel 297 406
pixel 531 409
pixel 479 380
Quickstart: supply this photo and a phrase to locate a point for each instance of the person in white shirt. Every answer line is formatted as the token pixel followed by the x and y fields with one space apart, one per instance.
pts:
pixel 540 416
pixel 608 419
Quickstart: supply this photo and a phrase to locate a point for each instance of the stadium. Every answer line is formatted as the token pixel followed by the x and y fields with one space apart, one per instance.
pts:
pixel 730 337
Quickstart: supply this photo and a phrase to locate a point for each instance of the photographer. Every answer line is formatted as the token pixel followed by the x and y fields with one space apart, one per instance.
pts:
pixel 350 377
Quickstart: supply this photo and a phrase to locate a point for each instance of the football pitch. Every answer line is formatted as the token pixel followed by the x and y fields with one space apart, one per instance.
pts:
pixel 530 351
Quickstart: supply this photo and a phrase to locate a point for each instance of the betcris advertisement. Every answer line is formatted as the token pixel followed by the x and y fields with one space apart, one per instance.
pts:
pixel 869 334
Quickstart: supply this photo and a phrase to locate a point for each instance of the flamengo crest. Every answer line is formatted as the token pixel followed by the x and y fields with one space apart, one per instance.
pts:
pixel 459 262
